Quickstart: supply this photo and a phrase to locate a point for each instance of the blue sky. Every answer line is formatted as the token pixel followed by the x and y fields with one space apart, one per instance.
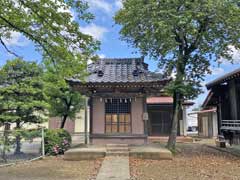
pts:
pixel 104 29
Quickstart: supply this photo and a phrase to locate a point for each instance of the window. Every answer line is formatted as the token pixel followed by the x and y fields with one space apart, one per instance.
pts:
pixel 118 116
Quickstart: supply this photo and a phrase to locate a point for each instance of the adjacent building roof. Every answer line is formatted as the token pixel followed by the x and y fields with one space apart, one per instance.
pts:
pixel 165 100
pixel 224 78
pixel 203 111
pixel 212 97
pixel 124 70
pixel 160 100
pixel 208 99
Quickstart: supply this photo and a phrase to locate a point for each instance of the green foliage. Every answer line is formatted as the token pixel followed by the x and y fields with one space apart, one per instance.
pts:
pixel 27 134
pixel 184 36
pixel 53 26
pixel 64 102
pixel 189 90
pixel 22 98
pixel 57 141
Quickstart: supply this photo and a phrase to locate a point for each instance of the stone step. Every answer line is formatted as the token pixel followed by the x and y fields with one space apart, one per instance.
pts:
pixel 117 153
pixel 78 154
pixel 116 145
pixel 154 153
pixel 113 149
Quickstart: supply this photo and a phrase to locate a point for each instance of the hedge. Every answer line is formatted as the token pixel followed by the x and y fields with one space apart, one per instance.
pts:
pixel 56 141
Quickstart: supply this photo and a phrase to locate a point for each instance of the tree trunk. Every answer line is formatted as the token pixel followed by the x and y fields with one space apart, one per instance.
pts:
pixel 177 98
pixel 63 121
pixel 176 109
pixel 5 141
pixel 18 140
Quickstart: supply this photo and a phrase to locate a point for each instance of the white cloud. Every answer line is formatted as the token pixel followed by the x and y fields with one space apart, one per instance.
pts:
pixel 118 4
pixel 102 56
pixel 217 71
pixel 99 55
pixel 66 9
pixel 97 32
pixel 16 39
pixel 203 83
pixel 102 5
pixel 235 55
pixel 89 62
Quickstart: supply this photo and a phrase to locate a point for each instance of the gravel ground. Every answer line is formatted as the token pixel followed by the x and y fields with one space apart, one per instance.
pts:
pixel 192 162
pixel 52 168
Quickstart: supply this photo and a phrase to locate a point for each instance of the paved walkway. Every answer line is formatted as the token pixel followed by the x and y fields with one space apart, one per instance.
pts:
pixel 114 168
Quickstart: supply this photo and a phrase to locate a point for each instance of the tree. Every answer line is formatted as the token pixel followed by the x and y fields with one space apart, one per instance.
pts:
pixel 186 36
pixel 53 26
pixel 22 99
pixel 64 102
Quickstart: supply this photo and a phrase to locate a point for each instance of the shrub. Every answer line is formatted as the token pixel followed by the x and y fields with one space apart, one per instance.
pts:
pixel 57 141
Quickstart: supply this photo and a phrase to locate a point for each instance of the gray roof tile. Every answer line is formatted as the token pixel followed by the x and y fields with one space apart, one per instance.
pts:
pixel 120 71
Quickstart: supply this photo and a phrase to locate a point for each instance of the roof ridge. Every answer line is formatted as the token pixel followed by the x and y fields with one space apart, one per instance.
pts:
pixel 121 70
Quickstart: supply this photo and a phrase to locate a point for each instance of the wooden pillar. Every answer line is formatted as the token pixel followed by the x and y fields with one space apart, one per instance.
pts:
pixel 219 111
pixel 184 118
pixel 145 118
pixel 90 118
pixel 86 122
pixel 215 126
pixel 233 99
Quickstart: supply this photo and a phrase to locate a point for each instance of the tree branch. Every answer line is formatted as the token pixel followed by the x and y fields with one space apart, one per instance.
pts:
pixel 202 29
pixel 27 34
pixel 44 19
pixel 181 39
pixel 7 49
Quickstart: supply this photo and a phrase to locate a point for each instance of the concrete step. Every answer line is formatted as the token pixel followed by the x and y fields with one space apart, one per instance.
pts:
pixel 117 153
pixel 113 149
pixel 77 154
pixel 154 153
pixel 179 139
pixel 116 145
pixel 117 150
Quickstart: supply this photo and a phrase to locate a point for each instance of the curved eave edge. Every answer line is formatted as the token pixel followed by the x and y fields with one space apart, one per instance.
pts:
pixel 81 83
pixel 224 78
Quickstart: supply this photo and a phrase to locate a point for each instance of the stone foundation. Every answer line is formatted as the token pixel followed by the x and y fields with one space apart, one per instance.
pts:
pixel 92 152
pixel 130 141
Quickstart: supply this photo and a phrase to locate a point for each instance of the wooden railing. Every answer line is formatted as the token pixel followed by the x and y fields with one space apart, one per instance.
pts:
pixel 231 124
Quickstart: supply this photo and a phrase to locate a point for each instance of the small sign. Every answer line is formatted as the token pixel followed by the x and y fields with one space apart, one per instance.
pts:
pixel 145 116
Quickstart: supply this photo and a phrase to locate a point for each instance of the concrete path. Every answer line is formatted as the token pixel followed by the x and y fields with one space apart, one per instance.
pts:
pixel 114 168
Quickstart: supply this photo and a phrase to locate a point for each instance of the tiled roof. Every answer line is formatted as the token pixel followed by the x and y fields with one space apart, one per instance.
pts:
pixel 120 71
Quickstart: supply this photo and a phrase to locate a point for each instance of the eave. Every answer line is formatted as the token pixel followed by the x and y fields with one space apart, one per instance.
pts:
pixel 90 88
pixel 227 77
